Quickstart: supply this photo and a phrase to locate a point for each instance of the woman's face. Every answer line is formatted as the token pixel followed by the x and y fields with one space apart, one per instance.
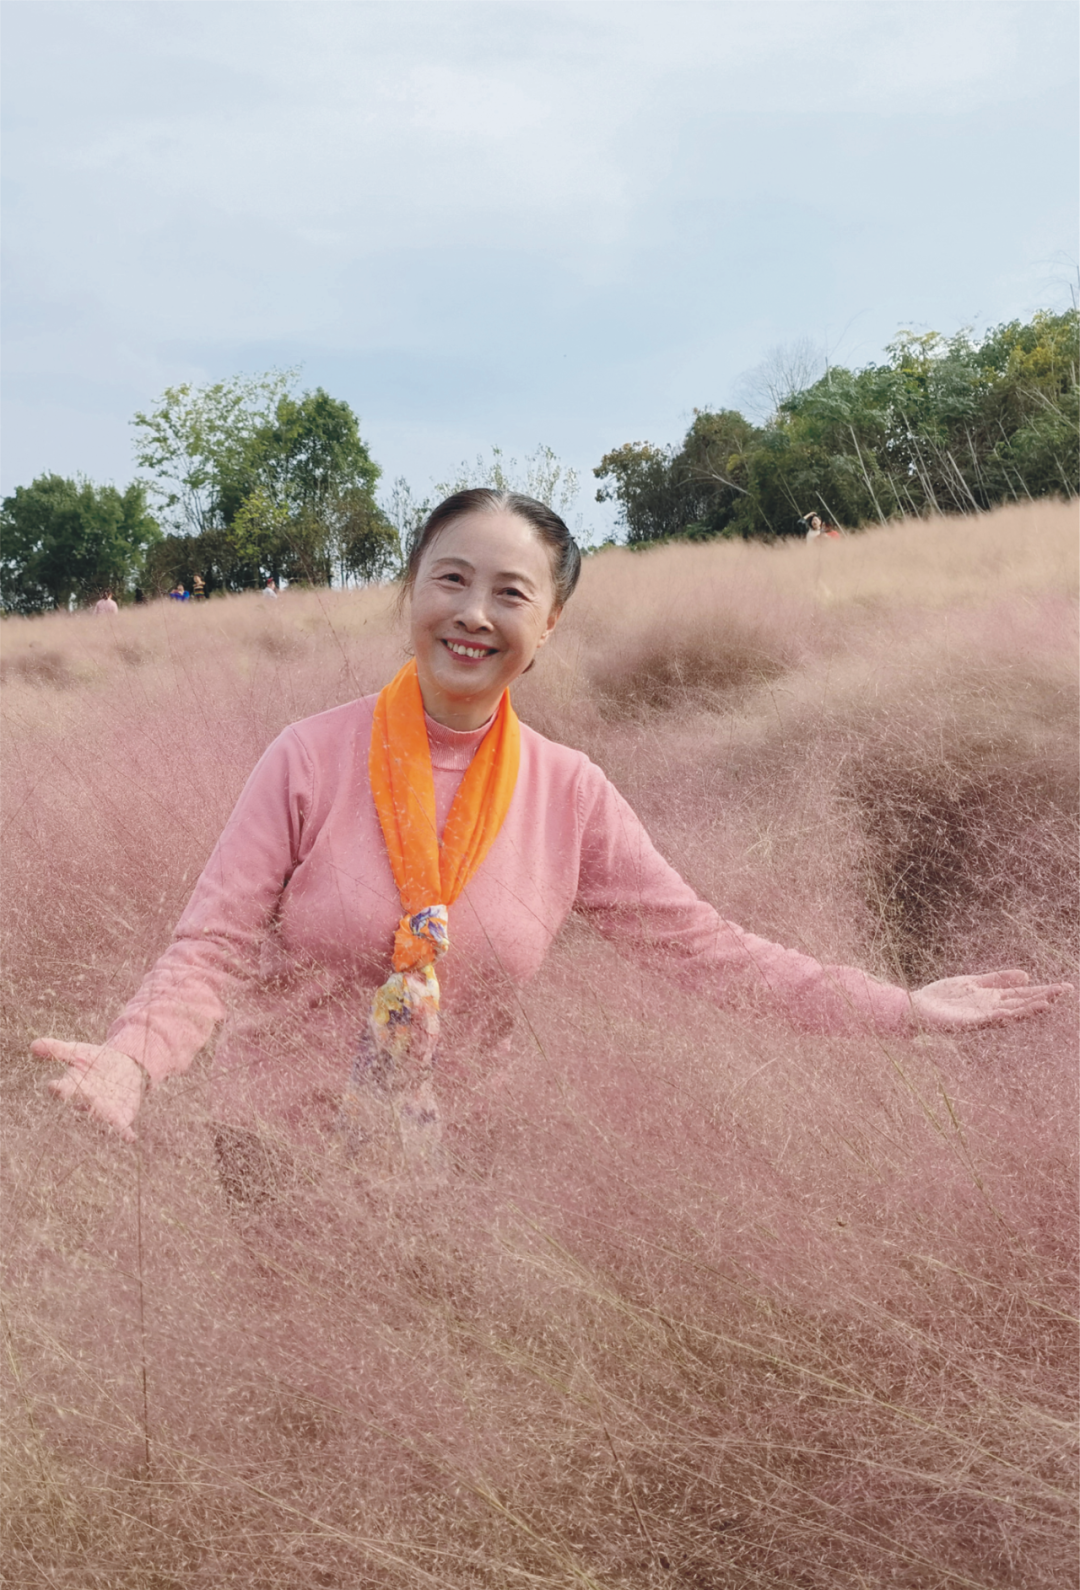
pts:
pixel 482 605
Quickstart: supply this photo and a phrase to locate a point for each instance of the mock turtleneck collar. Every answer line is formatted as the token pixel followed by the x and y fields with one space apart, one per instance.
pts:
pixel 454 749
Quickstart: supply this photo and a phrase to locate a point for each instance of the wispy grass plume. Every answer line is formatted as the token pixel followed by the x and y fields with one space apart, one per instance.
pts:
pixel 705 1303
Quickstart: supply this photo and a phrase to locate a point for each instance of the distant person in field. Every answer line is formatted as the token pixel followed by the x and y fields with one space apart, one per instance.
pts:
pixel 105 607
pixel 270 589
pixel 425 828
pixel 815 529
pixel 198 588
pixel 178 593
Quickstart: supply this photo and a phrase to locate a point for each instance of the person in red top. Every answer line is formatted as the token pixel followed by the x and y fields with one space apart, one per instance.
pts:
pixel 816 529
pixel 287 936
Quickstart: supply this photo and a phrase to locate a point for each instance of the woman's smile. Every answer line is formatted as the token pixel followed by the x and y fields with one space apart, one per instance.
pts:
pixel 462 648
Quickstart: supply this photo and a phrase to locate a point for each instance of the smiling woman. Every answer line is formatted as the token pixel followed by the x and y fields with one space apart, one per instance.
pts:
pixel 482 591
pixel 429 822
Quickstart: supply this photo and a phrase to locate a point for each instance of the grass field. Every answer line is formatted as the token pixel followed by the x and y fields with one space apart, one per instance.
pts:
pixel 707 1304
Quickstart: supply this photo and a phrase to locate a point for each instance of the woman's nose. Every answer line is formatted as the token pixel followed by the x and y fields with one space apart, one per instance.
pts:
pixel 473 612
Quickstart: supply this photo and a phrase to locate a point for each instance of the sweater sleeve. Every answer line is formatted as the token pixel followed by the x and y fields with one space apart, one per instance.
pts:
pixel 646 910
pixel 216 943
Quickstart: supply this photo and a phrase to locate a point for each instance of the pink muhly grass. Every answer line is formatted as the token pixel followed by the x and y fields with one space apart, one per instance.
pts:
pixel 706 1303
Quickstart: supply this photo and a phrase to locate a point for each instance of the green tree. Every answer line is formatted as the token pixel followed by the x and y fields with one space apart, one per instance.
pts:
pixel 199 439
pixel 942 425
pixel 311 451
pixel 178 558
pixel 252 544
pixel 1034 407
pixel 828 451
pixel 711 470
pixel 66 539
pixel 264 483
pixel 693 492
pixel 315 481
pixel 640 478
pixel 366 544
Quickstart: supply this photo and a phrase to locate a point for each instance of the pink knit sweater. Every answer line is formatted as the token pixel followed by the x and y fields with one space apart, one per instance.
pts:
pixel 290 927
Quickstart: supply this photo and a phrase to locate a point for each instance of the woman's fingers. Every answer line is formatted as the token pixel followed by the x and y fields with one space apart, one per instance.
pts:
pixel 1031 1001
pixel 1012 978
pixel 102 1081
pixel 1019 992
pixel 79 1055
pixel 1029 992
pixel 984 999
pixel 115 1112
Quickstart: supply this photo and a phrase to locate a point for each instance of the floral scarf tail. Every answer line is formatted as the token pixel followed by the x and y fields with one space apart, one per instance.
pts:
pixel 390 1103
pixel 389 1108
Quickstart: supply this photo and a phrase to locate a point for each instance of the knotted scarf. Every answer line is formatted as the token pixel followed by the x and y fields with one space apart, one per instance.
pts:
pixel 396 1058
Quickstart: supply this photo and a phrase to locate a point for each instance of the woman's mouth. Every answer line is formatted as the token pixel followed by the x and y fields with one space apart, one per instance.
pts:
pixel 472 653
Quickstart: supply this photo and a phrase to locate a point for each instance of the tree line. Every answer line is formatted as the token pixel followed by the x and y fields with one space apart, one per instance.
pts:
pixel 245 479
pixel 241 481
pixel 943 425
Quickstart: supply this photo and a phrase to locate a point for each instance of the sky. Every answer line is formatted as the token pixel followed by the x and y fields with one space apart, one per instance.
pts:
pixel 510 224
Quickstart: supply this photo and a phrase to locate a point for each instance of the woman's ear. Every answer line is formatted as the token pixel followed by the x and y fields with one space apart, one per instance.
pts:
pixel 553 619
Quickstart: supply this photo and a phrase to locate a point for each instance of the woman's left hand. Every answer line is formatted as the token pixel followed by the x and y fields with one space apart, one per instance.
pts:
pixel 983 1000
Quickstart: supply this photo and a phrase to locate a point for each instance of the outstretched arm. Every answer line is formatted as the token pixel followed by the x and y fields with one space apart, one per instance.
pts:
pixel 214 948
pixel 640 903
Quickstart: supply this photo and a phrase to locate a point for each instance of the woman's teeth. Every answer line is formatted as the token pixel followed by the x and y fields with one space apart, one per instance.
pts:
pixel 467 651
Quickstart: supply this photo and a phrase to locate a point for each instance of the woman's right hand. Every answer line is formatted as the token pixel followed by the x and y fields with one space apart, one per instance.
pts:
pixel 102 1081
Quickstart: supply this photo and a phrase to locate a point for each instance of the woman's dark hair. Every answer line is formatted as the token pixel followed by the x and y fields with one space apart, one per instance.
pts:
pixel 565 557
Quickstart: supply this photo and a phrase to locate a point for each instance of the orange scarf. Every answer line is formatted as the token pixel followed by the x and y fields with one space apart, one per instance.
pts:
pixel 426 871
pixel 397 1048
